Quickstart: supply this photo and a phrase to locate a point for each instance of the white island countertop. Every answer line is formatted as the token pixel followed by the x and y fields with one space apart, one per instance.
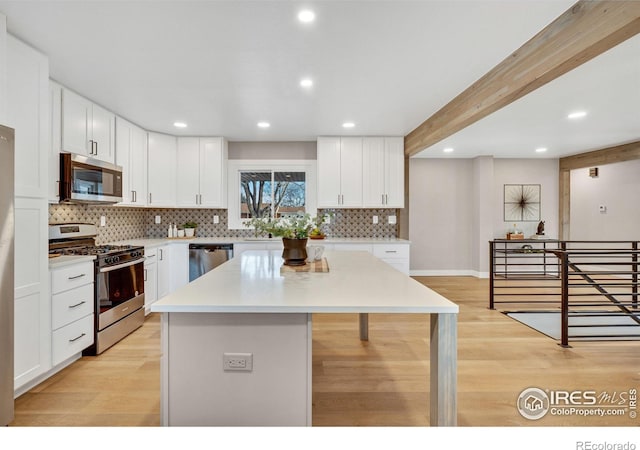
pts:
pixel 357 282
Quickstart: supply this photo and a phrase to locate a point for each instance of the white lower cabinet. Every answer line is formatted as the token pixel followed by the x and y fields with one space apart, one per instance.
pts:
pixel 179 265
pixel 396 255
pixel 72 311
pixel 164 270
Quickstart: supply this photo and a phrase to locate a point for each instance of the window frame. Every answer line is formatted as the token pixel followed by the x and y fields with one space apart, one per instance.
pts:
pixel 236 166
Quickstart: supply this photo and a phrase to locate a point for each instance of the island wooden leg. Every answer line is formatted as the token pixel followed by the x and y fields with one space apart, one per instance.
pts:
pixel 444 370
pixel 364 326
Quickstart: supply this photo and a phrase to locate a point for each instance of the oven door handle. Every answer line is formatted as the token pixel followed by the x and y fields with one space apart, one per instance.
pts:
pixel 121 266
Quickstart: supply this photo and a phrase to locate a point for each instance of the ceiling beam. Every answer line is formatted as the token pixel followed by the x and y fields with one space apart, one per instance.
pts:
pixel 583 32
pixel 619 153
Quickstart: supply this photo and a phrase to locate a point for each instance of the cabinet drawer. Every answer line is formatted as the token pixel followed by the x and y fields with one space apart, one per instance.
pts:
pixel 72 339
pixel 69 306
pixel 391 251
pixel 70 277
pixel 353 247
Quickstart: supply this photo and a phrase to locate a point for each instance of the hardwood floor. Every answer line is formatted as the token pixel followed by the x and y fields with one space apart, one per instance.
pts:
pixel 383 382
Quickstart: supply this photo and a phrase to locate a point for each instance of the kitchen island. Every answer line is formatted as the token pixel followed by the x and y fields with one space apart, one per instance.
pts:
pixel 237 341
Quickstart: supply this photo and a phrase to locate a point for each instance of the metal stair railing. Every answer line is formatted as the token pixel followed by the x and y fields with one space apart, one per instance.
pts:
pixel 593 283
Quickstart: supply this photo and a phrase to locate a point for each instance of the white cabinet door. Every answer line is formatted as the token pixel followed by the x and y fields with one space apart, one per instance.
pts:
pixel 351 172
pixel 339 172
pixel 150 279
pixel 213 173
pixel 76 117
pixel 179 263
pixel 87 128
pixel 138 165
pixel 188 172
pixel 328 172
pixel 161 166
pixel 103 133
pixel 32 301
pixel 394 172
pixel 131 155
pixel 164 270
pixel 55 134
pixel 201 172
pixel 373 172
pixel 383 172
pixel 28 112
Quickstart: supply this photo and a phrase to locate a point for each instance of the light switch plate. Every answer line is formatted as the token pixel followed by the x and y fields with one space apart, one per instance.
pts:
pixel 103 221
pixel 216 219
pixel 392 220
pixel 158 219
pixel 375 219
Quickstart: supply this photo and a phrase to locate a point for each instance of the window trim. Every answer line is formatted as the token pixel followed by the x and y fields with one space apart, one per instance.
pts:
pixel 236 166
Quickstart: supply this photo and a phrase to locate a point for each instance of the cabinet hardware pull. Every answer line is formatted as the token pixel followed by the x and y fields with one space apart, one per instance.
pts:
pixel 77 304
pixel 161 254
pixel 386 199
pixel 125 309
pixel 75 339
pixel 391 251
pixel 77 276
pixel 149 197
pixel 145 274
pixel 96 147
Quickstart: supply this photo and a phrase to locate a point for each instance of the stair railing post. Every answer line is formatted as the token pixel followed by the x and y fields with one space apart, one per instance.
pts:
pixel 634 275
pixel 491 272
pixel 564 323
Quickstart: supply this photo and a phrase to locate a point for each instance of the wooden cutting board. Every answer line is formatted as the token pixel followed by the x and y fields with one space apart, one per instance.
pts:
pixel 313 266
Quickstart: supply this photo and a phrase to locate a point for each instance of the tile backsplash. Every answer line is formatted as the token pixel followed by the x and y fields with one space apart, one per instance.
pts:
pixel 131 223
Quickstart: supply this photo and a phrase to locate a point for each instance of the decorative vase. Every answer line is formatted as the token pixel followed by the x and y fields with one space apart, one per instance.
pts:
pixel 294 252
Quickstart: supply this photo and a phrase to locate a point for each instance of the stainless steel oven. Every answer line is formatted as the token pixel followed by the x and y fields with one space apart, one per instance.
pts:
pixel 119 281
pixel 119 288
pixel 88 180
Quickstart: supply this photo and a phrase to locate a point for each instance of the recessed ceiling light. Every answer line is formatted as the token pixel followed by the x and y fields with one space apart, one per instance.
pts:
pixel 179 124
pixel 447 150
pixel 577 115
pixel 306 82
pixel 348 125
pixel 264 124
pixel 306 16
pixel 541 150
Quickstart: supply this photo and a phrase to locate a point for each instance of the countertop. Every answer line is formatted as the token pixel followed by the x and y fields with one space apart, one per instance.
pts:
pixel 357 282
pixel 155 242
pixel 66 260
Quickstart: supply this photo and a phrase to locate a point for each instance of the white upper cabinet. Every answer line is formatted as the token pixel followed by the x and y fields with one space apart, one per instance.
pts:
pixel 87 128
pixel 383 172
pixel 131 154
pixel 55 134
pixel 28 113
pixel 339 172
pixel 201 172
pixel 161 170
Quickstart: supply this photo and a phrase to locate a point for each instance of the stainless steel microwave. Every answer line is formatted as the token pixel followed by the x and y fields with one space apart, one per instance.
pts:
pixel 88 180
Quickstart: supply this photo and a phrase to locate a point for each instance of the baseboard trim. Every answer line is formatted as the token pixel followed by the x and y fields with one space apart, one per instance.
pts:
pixel 448 273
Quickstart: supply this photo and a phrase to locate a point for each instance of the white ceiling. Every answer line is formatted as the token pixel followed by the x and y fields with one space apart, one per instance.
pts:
pixel 223 66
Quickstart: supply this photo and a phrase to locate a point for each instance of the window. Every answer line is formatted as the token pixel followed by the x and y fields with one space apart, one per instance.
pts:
pixel 270 189
pixel 271 194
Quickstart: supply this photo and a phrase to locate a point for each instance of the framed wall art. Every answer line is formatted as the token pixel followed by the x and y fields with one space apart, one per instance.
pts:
pixel 521 202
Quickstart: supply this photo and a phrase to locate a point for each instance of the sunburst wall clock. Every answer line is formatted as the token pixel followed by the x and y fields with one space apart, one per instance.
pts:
pixel 521 202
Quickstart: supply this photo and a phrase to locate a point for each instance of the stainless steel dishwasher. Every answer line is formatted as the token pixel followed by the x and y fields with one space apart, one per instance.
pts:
pixel 205 257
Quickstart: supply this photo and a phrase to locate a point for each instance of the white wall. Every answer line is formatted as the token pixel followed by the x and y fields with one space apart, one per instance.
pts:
pixel 456 207
pixel 273 150
pixel 441 214
pixel 618 189
pixel 3 66
pixel 527 171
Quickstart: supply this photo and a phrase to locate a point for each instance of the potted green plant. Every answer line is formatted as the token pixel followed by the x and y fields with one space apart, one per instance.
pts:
pixel 317 231
pixel 190 229
pixel 294 231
